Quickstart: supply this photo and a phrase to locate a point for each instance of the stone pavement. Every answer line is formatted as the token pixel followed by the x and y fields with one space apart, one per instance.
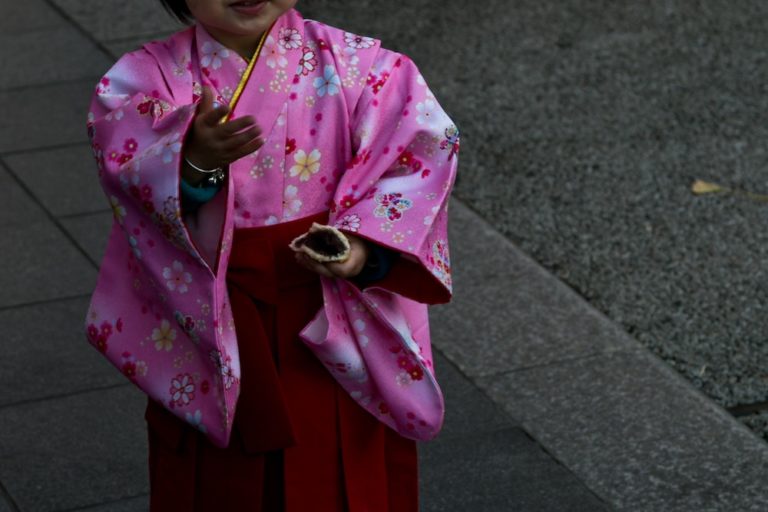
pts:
pixel 551 406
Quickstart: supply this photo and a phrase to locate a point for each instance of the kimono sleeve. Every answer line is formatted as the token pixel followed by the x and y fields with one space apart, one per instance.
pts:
pixel 137 127
pixel 395 190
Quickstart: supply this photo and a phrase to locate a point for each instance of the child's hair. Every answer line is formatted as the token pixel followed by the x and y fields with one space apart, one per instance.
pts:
pixel 179 9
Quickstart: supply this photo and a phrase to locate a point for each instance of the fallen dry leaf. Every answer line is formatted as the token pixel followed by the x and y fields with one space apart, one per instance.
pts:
pixel 706 187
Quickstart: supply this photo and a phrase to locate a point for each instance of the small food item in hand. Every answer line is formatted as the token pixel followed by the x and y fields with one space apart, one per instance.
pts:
pixel 323 244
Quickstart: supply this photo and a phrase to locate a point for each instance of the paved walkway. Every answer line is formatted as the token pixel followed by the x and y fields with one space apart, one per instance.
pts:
pixel 551 407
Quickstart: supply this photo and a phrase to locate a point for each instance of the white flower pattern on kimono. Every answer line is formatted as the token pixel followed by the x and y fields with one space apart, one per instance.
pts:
pixel 291 202
pixel 163 336
pixel 169 146
pixel 308 62
pixel 225 368
pixel 403 379
pixel 306 164
pixel 330 83
pixel 176 278
pixel 212 55
pixel 134 247
pixel 182 389
pixel 427 112
pixel 290 38
pixel 274 53
pixel 358 42
pixel 226 93
pixel 349 222
pixel 196 420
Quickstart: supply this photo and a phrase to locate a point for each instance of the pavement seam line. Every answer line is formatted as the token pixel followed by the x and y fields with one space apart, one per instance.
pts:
pixel 52 147
pixel 28 87
pixel 634 345
pixel 101 504
pixel 79 215
pixel 29 401
pixel 617 335
pixel 566 360
pixel 515 423
pixel 43 302
pixel 65 15
pixel 6 496
pixel 50 215
pixel 560 463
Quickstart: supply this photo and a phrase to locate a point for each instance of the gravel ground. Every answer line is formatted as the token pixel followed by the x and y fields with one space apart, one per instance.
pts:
pixel 584 124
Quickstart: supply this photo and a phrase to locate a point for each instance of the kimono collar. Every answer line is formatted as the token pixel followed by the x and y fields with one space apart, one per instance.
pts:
pixel 270 81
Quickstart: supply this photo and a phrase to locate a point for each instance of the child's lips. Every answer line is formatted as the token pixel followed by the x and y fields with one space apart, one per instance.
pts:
pixel 248 8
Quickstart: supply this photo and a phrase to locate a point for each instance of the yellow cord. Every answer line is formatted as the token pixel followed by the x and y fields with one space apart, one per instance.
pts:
pixel 246 75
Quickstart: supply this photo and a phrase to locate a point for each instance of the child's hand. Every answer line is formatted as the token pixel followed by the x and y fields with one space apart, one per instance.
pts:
pixel 212 144
pixel 358 255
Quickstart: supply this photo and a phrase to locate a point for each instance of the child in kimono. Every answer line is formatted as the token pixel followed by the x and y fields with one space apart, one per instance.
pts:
pixel 275 381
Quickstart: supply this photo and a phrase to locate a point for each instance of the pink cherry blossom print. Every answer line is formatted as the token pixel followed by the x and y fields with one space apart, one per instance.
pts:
pixel 308 62
pixel 169 146
pixel 349 222
pixel 427 112
pixel 290 38
pixel 274 54
pixel 213 54
pixel 182 390
pixel 291 202
pixel 176 279
pixel 358 42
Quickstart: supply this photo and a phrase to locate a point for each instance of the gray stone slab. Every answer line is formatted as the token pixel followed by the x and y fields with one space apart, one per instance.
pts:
pixel 39 263
pixel 49 55
pixel 17 206
pixel 681 273
pixel 76 451
pixel 64 180
pixel 757 422
pixel 637 434
pixel 114 19
pixel 467 410
pixel 137 504
pixel 45 353
pixel 91 232
pixel 499 471
pixel 5 506
pixel 39 117
pixel 26 16
pixel 508 312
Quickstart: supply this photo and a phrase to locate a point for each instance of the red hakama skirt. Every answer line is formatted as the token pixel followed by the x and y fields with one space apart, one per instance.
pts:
pixel 299 442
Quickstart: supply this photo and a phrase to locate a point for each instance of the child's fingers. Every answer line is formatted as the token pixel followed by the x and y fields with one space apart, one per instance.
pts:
pixel 247 149
pixel 206 101
pixel 238 125
pixel 234 142
pixel 213 117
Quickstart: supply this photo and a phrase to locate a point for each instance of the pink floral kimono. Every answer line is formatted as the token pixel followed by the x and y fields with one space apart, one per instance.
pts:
pixel 351 130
